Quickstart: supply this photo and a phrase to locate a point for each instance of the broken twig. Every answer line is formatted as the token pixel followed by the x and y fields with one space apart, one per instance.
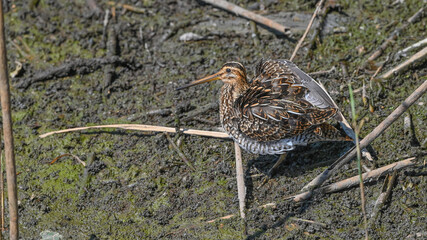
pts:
pixel 325 72
pixel 393 36
pixel 416 57
pixel 354 181
pixel 250 15
pixel 76 67
pixel 415 45
pixel 112 51
pixel 319 6
pixel 322 17
pixel 127 7
pixel 308 221
pixel 68 154
pixel 409 130
pixel 385 194
pixel 180 153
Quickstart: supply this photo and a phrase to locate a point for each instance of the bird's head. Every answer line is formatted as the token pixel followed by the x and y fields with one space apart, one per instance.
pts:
pixel 233 73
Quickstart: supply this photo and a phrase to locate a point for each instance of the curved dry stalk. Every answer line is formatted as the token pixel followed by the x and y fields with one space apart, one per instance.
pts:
pixel 146 128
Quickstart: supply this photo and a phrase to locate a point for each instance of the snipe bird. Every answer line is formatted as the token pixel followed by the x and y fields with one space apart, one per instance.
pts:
pixel 281 108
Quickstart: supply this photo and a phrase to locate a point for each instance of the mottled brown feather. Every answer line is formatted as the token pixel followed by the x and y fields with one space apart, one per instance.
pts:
pixel 274 106
pixel 280 108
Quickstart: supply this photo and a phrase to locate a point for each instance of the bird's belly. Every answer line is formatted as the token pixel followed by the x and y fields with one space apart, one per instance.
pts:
pixel 265 148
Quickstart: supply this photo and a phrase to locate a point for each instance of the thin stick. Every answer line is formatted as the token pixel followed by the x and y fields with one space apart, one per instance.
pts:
pixel 415 45
pixel 319 6
pixel 417 56
pixel 68 154
pixel 367 177
pixel 75 67
pixel 127 7
pixel 250 15
pixel 147 128
pixel 384 195
pixel 241 189
pixel 8 135
pixel 2 193
pixel 221 218
pixel 318 29
pixel 347 157
pixel 181 155
pixel 393 36
pixel 268 205
pixel 359 167
pixel 323 72
pixel 354 181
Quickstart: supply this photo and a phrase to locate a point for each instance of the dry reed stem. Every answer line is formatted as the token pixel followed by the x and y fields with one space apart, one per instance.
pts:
pixel 241 188
pixel 393 36
pixel 384 195
pixel 353 181
pixel 2 193
pixel 180 153
pixel 417 56
pixel 319 6
pixel 146 128
pixel 415 45
pixel 127 7
pixel 250 15
pixel 8 135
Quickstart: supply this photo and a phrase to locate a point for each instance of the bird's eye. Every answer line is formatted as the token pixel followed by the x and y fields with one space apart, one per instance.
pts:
pixel 228 70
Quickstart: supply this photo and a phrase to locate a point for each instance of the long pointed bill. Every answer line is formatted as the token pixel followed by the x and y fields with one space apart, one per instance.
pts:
pixel 210 78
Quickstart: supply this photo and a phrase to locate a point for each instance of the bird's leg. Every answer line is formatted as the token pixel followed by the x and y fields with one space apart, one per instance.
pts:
pixel 273 169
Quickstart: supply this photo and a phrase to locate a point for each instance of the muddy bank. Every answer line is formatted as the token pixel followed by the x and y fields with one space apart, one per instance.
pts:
pixel 136 185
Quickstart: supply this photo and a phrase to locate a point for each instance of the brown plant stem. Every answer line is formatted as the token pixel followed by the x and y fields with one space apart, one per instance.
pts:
pixel 146 128
pixel 354 181
pixel 8 135
pixel 241 189
pixel 250 15
pixel 319 6
pixel 393 36
pixel 417 56
pixel 180 153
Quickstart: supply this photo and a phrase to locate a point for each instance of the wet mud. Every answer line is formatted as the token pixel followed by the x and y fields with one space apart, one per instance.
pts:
pixel 135 185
